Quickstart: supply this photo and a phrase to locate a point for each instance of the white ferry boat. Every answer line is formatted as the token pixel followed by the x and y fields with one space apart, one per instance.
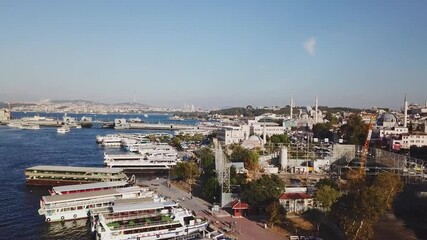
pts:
pixel 63 129
pixel 77 205
pixel 146 221
pixel 29 126
pixel 44 175
pixel 176 118
pixel 152 148
pixel 88 187
pixel 137 162
pixel 111 141
pixel 14 124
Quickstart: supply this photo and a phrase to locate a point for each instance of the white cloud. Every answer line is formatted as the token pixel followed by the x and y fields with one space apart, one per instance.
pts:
pixel 310 46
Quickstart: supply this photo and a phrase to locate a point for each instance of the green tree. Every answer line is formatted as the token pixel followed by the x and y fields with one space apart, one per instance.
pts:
pixel 279 138
pixel 186 171
pixel 356 212
pixel 327 182
pixel 251 160
pixel 207 158
pixel 249 157
pixel 176 141
pixel 211 189
pixel 263 191
pixel 323 130
pixel 276 213
pixel 354 131
pixel 327 196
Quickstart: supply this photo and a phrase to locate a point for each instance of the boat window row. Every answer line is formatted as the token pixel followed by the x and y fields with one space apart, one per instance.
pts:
pixel 81 207
pixel 86 179
pixel 75 173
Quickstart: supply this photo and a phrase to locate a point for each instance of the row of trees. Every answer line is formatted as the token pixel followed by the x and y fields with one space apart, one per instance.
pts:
pixel 356 212
pixel 177 139
pixel 353 132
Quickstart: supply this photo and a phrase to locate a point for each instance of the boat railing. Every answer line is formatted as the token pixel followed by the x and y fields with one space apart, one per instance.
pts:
pixel 111 217
pixel 130 224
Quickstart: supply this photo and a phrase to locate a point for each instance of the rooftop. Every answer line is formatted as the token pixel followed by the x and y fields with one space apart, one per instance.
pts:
pixel 79 187
pixel 74 169
pixel 296 195
pixel 89 195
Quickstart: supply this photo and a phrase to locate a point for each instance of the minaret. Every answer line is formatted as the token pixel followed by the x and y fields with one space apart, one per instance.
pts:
pixel 315 109
pixel 264 134
pixel 405 119
pixel 292 106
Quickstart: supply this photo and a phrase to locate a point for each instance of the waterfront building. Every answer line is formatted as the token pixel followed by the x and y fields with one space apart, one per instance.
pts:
pixel 233 134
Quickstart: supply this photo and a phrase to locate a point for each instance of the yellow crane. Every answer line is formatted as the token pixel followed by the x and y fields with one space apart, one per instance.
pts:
pixel 365 148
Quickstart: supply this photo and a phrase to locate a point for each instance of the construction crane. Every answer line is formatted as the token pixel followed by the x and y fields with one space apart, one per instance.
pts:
pixel 365 148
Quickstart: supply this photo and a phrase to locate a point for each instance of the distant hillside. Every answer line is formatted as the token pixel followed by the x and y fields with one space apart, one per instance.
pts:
pixel 250 112
pixel 73 101
pixel 132 104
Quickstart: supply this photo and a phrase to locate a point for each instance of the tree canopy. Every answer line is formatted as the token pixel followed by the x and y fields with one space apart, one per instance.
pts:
pixel 249 157
pixel 327 195
pixel 207 158
pixel 354 131
pixel 263 191
pixel 185 171
pixel 357 211
pixel 276 213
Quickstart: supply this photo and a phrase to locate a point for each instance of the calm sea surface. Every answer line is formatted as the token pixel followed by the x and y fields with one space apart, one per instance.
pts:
pixel 20 149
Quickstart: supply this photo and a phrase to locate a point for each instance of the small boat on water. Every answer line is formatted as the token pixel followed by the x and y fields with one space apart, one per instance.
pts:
pixel 29 126
pixel 63 129
pixel 176 118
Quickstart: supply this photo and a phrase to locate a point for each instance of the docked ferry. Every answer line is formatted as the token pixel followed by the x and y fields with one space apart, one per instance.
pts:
pixel 88 187
pixel 44 175
pixel 149 220
pixel 137 162
pixel 64 207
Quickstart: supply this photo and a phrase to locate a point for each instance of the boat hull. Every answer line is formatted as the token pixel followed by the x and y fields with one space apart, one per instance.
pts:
pixel 54 183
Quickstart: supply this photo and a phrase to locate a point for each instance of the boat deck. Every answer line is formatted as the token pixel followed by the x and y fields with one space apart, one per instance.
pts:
pixel 82 187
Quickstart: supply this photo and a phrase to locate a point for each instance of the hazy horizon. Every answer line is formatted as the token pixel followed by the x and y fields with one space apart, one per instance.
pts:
pixel 214 54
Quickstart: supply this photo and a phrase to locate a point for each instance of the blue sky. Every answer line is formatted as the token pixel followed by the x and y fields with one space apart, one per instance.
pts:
pixel 215 53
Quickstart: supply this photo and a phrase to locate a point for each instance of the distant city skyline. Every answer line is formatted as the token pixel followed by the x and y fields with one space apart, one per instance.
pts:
pixel 215 54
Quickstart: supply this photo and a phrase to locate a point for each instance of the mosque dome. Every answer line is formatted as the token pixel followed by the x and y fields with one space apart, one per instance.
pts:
pixel 387 120
pixel 255 138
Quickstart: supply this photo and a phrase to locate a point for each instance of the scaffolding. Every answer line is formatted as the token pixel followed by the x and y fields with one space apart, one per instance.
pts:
pixel 222 167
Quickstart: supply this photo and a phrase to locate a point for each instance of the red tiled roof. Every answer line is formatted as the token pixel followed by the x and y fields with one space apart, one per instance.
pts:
pixel 239 205
pixel 297 195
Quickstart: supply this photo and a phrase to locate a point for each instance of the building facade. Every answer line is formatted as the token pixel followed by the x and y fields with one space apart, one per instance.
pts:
pixel 296 202
pixel 233 134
